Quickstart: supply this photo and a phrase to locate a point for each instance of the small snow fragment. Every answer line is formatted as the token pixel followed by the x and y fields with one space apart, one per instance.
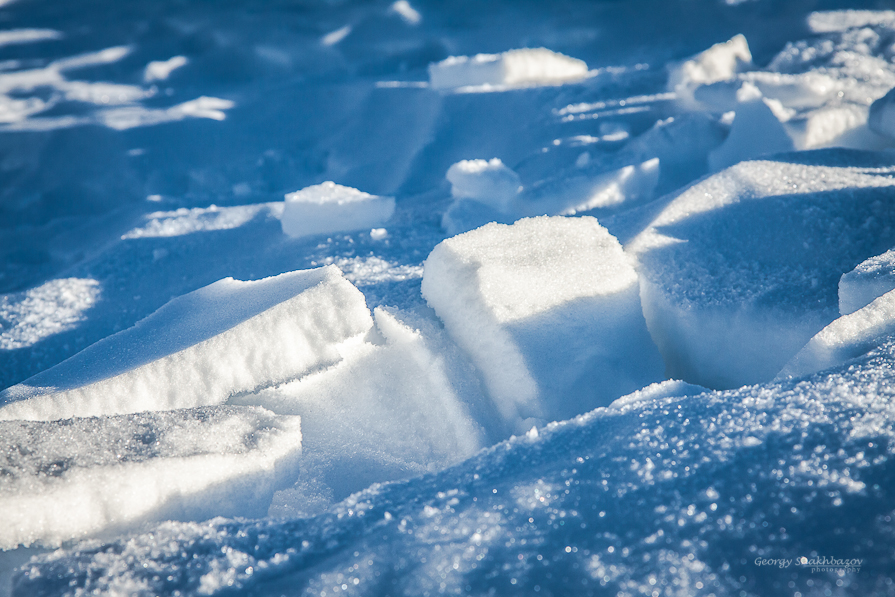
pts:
pixel 334 37
pixel 410 15
pixel 327 208
pixel 489 182
pixel 378 234
pixel 834 21
pixel 514 68
pixel 160 70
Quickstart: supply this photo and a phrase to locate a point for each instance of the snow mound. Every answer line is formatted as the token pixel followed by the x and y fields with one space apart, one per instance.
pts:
pixel 397 405
pixel 69 479
pixel 327 208
pixel 740 270
pixel 657 497
pixel 721 62
pixel 201 348
pixel 53 307
pixel 870 279
pixel 487 181
pixel 548 309
pixel 514 68
pixel 848 337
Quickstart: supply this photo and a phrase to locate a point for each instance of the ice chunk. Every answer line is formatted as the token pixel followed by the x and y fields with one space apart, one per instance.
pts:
pixel 395 407
pixel 756 131
pixel 53 307
pixel 869 280
pixel 68 479
pixel 328 208
pixel 487 181
pixel 548 309
pixel 514 68
pixel 740 270
pixel 721 62
pixel 882 115
pixel 203 347
pixel 848 337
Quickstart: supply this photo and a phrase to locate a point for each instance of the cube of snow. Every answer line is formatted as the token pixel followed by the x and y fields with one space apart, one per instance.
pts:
pixel 549 311
pixel 328 208
pixel 486 181
pixel 740 270
pixel 514 68
pixel 870 279
pixel 848 337
pixel 721 62
pixel 69 479
pixel 203 347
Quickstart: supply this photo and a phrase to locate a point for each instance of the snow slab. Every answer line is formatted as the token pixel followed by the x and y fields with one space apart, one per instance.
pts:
pixel 201 348
pixel 663 495
pixel 400 404
pixel 870 279
pixel 489 182
pixel 74 478
pixel 327 208
pixel 846 338
pixel 527 67
pixel 721 62
pixel 549 312
pixel 741 269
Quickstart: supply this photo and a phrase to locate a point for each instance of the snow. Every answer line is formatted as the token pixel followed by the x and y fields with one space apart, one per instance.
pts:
pixel 198 219
pixel 159 70
pixel 721 62
pixel 488 182
pixel 756 131
pixel 513 68
pixel 882 115
pixel 68 479
pixel 542 296
pixel 328 207
pixel 51 308
pixel 850 336
pixel 773 286
pixel 201 348
pixel 870 279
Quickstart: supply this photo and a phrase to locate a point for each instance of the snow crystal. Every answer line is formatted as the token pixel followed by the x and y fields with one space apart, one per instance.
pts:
pixel 870 279
pixel 513 68
pixel 201 348
pixel 548 309
pixel 54 307
pixel 740 270
pixel 77 477
pixel 328 207
pixel 848 337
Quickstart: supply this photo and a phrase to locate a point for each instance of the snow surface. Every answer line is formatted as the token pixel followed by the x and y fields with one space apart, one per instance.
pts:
pixel 145 152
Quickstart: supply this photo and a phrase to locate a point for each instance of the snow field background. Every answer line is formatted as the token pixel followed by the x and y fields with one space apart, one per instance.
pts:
pixel 494 219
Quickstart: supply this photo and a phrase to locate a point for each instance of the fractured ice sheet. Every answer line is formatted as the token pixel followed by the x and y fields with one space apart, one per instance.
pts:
pixel 740 270
pixel 677 495
pixel 549 311
pixel 73 478
pixel 203 347
pixel 53 307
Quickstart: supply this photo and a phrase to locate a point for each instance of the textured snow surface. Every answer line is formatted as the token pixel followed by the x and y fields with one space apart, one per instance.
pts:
pixel 869 280
pixel 201 348
pixel 549 311
pixel 67 479
pixel 730 304
pixel 679 495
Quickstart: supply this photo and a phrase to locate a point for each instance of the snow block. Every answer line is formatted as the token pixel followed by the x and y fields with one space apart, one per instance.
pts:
pixel 756 131
pixel 721 62
pixel 487 181
pixel 847 338
pixel 740 270
pixel 882 115
pixel 870 279
pixel 203 347
pixel 548 309
pixel 514 68
pixel 328 208
pixel 69 479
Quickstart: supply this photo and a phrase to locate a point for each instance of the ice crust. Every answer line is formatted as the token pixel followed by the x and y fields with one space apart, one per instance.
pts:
pixel 870 279
pixel 655 495
pixel 513 68
pixel 548 310
pixel 203 347
pixel 730 304
pixel 327 208
pixel 64 480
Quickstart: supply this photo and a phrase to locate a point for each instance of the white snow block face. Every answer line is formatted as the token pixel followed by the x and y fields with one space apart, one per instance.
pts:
pixel 328 208
pixel 882 115
pixel 548 309
pixel 870 279
pixel 740 270
pixel 70 479
pixel 847 338
pixel 203 347
pixel 489 182
pixel 514 68
pixel 756 131
pixel 721 62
